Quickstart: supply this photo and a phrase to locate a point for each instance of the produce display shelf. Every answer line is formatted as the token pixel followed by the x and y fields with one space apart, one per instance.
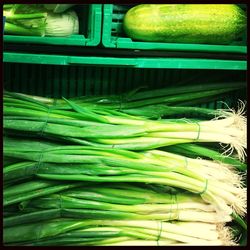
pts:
pixel 77 80
pixel 178 63
pixel 113 36
pixel 56 74
pixel 90 22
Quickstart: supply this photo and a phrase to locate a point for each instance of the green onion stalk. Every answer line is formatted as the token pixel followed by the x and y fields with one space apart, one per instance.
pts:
pixel 110 201
pixel 36 20
pixel 31 189
pixel 154 104
pixel 52 187
pixel 116 232
pixel 105 128
pixel 223 188
pixel 206 152
pixel 138 98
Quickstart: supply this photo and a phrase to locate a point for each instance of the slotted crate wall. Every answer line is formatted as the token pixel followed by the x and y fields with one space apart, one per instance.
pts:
pixel 113 35
pixel 90 21
pixel 70 81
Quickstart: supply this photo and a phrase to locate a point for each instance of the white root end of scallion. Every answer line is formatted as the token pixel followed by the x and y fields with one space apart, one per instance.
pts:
pixel 236 119
pixel 220 205
pixel 240 205
pixel 225 235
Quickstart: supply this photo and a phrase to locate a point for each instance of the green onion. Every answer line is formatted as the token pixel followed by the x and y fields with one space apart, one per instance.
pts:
pixel 101 171
pixel 86 163
pixel 129 132
pixel 35 20
pixel 117 232
pixel 194 150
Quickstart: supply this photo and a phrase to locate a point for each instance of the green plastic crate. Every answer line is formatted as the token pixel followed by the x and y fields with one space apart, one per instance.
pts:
pixel 90 21
pixel 140 62
pixel 71 81
pixel 114 37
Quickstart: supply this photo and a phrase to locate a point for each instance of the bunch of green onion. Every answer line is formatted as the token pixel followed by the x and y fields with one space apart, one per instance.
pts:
pixel 214 182
pixel 75 232
pixel 178 101
pixel 36 20
pixel 101 127
pixel 89 171
pixel 138 213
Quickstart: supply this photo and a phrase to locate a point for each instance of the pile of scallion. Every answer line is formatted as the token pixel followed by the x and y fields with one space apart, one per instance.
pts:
pixel 36 20
pixel 145 168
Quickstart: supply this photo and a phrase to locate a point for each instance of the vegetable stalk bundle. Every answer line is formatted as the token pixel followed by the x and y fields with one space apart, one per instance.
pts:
pixel 123 214
pixel 214 182
pixel 35 20
pixel 155 103
pixel 72 232
pixel 88 171
pixel 110 201
pixel 109 128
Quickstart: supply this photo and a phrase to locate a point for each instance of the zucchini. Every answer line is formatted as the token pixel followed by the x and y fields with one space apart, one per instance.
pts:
pixel 185 23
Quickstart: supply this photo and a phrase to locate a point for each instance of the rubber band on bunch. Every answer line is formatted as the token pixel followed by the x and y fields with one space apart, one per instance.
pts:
pixel 122 100
pixel 199 131
pixel 177 206
pixel 199 128
pixel 50 108
pixel 40 159
pixel 204 189
pixel 159 234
